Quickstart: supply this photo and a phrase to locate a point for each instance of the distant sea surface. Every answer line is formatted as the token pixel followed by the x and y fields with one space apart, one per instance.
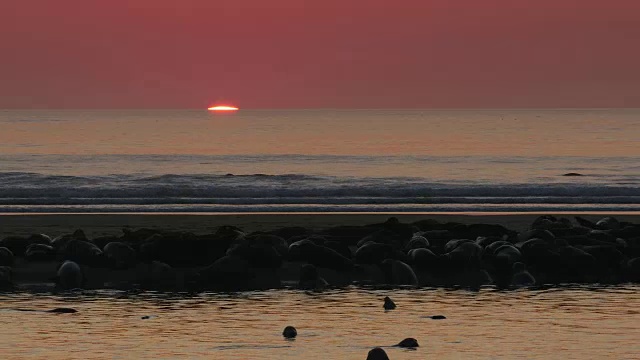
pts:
pixel 319 161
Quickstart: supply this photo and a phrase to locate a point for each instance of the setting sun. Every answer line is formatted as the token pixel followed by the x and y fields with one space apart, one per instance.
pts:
pixel 223 108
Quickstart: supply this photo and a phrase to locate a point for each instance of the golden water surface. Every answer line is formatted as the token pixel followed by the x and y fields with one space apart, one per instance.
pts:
pixel 562 323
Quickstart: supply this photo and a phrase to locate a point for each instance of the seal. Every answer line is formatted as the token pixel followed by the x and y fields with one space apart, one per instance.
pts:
pixel 388 304
pixel 70 276
pixel 377 354
pixel 423 258
pixel 521 277
pixel 508 254
pixel 229 273
pixel 120 255
pixel 6 278
pixel 408 343
pixel 6 257
pixel 82 252
pixel 398 273
pixel 63 311
pixel 373 253
pixel 322 256
pixel 608 223
pixel 289 332
pixel 40 252
pixel 310 279
pixel 417 242
pixel 19 244
pixel 466 254
pixel 260 255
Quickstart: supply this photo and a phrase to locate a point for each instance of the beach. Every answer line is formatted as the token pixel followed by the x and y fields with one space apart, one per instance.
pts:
pixel 112 224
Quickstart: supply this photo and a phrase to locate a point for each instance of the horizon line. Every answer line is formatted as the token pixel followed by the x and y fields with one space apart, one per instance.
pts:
pixel 328 108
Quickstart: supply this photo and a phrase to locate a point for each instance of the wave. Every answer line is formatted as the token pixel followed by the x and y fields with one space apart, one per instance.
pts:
pixel 318 208
pixel 25 192
pixel 31 185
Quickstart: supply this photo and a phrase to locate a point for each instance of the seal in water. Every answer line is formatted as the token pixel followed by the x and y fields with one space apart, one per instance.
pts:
pixel 377 354
pixel 63 311
pixel 389 304
pixel 408 343
pixel 53 311
pixel 289 332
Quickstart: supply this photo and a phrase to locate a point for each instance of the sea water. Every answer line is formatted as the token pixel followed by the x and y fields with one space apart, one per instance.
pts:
pixel 571 322
pixel 327 161
pixel 319 160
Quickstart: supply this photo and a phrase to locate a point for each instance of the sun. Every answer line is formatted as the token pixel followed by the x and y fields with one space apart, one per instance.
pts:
pixel 223 108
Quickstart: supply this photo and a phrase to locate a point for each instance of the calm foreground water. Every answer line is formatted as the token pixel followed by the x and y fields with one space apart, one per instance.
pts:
pixel 319 160
pixel 560 323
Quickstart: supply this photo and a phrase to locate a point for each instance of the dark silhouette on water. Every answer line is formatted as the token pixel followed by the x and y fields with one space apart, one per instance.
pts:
pixel 408 343
pixel 389 304
pixel 290 332
pixel 377 354
pixel 61 310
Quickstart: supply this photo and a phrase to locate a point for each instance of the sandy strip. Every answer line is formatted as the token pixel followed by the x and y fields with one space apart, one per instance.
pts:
pixel 112 224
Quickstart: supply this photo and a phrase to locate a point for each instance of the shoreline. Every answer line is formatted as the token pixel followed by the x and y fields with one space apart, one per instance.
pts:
pixel 97 224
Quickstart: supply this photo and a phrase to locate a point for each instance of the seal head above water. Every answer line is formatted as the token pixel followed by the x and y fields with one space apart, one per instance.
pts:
pixel 377 354
pixel 289 332
pixel 389 304
pixel 408 343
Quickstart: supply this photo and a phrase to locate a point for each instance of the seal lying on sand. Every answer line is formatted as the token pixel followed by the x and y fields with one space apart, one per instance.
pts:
pixel 6 257
pixel 310 279
pixel 6 278
pixel 69 276
pixel 398 273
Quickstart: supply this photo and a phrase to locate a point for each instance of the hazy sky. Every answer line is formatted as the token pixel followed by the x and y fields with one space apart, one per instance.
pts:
pixel 319 54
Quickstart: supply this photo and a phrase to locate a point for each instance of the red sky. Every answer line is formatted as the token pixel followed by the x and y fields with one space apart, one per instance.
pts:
pixel 319 54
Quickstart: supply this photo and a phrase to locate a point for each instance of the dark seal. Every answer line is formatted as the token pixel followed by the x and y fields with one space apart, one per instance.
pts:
pixel 389 304
pixel 377 354
pixel 408 343
pixel 63 311
pixel 289 332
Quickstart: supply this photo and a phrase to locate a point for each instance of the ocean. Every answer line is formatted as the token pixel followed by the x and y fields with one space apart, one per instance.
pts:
pixel 568 322
pixel 317 161
pixel 254 161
